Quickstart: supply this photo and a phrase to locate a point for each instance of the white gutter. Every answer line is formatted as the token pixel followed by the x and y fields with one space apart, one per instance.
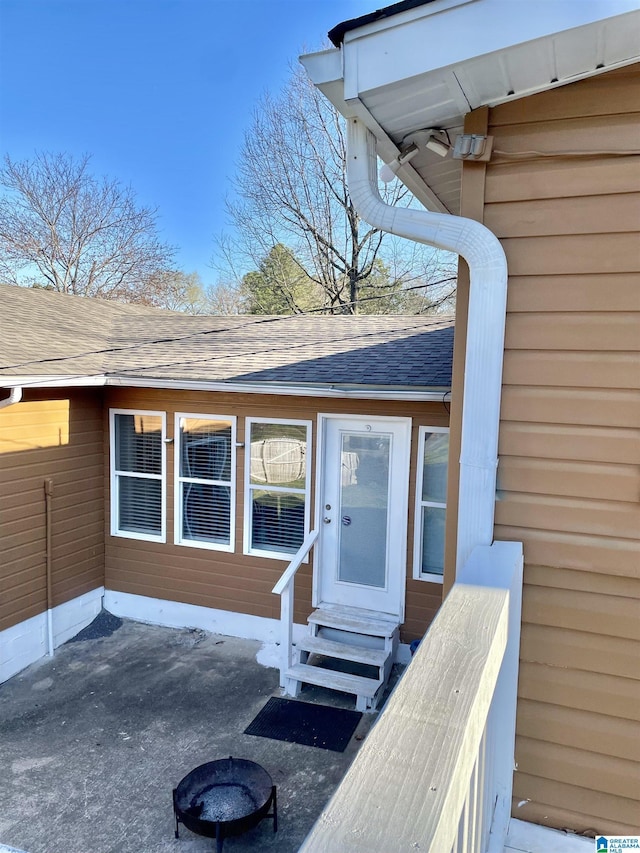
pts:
pixel 337 391
pixel 15 395
pixel 485 336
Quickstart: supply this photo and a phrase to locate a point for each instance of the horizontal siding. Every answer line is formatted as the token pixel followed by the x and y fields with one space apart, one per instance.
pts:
pixel 564 216
pixel 608 556
pixel 571 370
pixel 572 443
pixel 587 294
pixel 583 730
pixel 58 436
pixel 236 582
pixel 569 471
pixel 581 690
pixel 564 806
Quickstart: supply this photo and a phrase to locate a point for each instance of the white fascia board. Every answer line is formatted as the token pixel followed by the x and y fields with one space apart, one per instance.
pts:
pixel 437 36
pixel 325 69
pixel 52 381
pixel 281 390
pixel 233 387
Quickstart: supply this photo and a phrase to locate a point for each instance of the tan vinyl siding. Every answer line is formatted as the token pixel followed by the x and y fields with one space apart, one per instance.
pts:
pixel 569 472
pixel 55 435
pixel 233 581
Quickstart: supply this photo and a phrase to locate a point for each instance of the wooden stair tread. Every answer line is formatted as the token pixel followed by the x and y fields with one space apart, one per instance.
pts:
pixel 343 651
pixel 343 681
pixel 353 620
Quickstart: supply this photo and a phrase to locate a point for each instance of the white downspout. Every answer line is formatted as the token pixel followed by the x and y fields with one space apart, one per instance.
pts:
pixel 485 337
pixel 15 395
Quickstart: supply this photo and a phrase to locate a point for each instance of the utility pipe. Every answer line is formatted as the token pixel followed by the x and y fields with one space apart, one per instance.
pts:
pixel 485 257
pixel 48 498
pixel 15 395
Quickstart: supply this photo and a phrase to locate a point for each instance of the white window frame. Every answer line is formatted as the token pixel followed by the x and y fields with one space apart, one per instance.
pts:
pixel 116 475
pixel 418 574
pixel 249 487
pixel 178 479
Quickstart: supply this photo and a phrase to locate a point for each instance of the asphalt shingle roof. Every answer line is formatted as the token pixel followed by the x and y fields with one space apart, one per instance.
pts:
pixel 44 333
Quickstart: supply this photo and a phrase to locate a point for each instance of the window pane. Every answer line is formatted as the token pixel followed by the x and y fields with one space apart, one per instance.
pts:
pixel 434 475
pixel 140 505
pixel 206 513
pixel 278 454
pixel 433 539
pixel 139 443
pixel 205 449
pixel 363 508
pixel 277 521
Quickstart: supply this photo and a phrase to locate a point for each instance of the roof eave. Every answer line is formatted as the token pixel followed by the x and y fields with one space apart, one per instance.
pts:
pixel 403 71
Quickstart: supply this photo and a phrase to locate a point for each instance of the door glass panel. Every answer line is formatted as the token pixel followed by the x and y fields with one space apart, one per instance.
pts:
pixel 364 502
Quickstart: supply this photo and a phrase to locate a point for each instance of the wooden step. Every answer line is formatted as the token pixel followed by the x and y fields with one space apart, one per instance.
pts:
pixel 343 681
pixel 342 651
pixel 353 620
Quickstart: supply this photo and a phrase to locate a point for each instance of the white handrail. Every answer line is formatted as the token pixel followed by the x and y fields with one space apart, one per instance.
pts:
pixel 295 564
pixel 285 588
pixel 435 768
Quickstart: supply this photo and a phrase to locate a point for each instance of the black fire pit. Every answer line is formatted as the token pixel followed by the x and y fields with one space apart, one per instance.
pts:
pixel 225 797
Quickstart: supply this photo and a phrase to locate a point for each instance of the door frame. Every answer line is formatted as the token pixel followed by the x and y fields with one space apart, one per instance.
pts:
pixel 401 463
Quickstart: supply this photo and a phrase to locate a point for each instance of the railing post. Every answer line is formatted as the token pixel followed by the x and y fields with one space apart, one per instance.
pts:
pixel 285 589
pixel 286 628
pixel 500 565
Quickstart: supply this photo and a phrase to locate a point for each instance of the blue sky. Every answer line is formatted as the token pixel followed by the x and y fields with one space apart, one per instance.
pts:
pixel 159 92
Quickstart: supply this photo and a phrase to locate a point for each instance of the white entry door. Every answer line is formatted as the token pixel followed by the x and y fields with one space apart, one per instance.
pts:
pixel 363 513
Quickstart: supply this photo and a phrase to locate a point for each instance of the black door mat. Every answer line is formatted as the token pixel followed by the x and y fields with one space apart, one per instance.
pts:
pixel 305 723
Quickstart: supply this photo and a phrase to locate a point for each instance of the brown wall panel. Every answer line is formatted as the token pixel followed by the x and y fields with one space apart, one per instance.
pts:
pixel 579 443
pixel 580 690
pixel 584 730
pixel 57 435
pixel 236 582
pixel 569 473
pixel 551 803
pixel 592 293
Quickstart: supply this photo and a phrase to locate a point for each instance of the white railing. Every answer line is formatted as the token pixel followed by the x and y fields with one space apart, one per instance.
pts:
pixel 285 588
pixel 435 772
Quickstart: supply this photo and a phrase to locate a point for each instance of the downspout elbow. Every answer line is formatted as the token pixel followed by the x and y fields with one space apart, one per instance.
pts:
pixel 15 395
pixel 485 257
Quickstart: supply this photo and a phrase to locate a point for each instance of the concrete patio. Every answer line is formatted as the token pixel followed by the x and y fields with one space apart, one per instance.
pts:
pixel 94 740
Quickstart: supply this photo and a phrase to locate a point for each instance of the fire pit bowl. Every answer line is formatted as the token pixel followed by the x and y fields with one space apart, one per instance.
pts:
pixel 223 798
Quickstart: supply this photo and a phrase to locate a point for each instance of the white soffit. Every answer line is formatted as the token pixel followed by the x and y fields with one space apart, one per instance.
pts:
pixel 429 66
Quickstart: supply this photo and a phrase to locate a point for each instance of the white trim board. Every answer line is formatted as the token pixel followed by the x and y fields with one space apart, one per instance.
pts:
pixel 525 837
pixel 175 614
pixel 25 643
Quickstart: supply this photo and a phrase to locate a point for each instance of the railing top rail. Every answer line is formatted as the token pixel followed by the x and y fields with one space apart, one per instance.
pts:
pixel 295 563
pixel 419 757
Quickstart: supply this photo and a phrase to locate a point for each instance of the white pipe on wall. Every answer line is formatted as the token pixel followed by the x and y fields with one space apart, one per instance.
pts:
pixel 485 257
pixel 15 395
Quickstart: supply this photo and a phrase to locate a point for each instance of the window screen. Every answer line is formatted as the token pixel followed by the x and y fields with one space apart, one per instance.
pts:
pixel 431 502
pixel 278 479
pixel 138 474
pixel 204 482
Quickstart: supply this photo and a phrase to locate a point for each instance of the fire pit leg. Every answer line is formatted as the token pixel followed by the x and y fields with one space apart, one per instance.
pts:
pixel 219 838
pixel 175 813
pixel 275 809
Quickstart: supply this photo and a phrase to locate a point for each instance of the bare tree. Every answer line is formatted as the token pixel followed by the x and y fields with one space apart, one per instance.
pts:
pixel 64 229
pixel 291 189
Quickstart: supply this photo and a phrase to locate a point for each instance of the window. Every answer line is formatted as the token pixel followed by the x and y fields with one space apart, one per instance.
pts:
pixel 278 480
pixel 205 481
pixel 431 502
pixel 138 474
